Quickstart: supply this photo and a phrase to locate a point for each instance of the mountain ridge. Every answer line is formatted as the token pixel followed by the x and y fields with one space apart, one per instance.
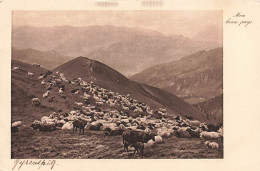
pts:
pixel 198 75
pixel 115 81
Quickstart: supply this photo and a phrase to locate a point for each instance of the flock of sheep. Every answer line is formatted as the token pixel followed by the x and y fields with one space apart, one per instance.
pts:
pixel 134 121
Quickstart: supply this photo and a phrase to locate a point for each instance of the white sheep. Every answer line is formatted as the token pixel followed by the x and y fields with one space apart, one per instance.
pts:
pixel 60 91
pixel 73 112
pixel 37 65
pixel 30 74
pixel 67 126
pixel 220 131
pixel 17 124
pixel 125 108
pixel 122 127
pixel 193 122
pixel 164 133
pixel 41 77
pixel 46 118
pixel 158 139
pixel 79 104
pixel 149 144
pixel 147 130
pixel 45 95
pixel 210 135
pixel 42 83
pixel 211 145
pixel 36 101
pixel 15 68
pixel 99 103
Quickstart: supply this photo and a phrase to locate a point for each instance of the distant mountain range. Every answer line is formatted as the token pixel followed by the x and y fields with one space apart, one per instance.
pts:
pixel 47 59
pixel 195 78
pixel 127 50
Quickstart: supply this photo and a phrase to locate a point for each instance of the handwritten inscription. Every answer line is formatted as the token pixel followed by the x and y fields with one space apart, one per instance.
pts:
pixel 18 164
pixel 238 19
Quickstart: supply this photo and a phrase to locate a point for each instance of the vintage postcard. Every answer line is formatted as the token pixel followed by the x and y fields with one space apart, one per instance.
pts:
pixel 88 82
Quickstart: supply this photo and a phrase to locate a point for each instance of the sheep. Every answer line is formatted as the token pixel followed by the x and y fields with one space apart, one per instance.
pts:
pixel 95 126
pixel 79 104
pixel 131 137
pixel 158 139
pixel 147 130
pixel 79 124
pixel 194 133
pixel 193 122
pixel 210 135
pixel 30 74
pixel 74 91
pixel 122 127
pixel 220 131
pixel 37 65
pixel 17 124
pixel 139 148
pixel 67 126
pixel 211 145
pixel 61 90
pixel 47 120
pixel 125 108
pixel 41 77
pixel 42 82
pixel 182 132
pixel 149 144
pixel 99 103
pixel 36 101
pixel 15 68
pixel 43 127
pixel 60 123
pixel 45 95
pixel 14 129
pixel 164 133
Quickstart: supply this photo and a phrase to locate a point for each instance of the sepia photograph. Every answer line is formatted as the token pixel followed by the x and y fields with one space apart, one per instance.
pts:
pixel 117 84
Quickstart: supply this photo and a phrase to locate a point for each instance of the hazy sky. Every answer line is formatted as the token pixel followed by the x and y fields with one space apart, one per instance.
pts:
pixel 187 23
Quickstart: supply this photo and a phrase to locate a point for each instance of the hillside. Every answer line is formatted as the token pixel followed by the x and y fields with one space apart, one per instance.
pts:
pixel 106 77
pixel 47 59
pixel 128 50
pixel 194 78
pixel 212 108
pixel 62 143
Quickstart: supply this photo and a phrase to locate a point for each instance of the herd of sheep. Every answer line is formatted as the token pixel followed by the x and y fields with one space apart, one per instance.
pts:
pixel 104 110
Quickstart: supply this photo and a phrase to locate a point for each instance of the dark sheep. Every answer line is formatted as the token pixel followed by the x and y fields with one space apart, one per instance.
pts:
pixel 177 118
pixel 212 128
pixel 193 133
pixel 43 127
pixel 87 101
pixel 130 137
pixel 14 129
pixel 65 114
pixel 79 124
pixel 139 148
pixel 48 72
pixel 74 91
pixel 95 127
pixel 189 117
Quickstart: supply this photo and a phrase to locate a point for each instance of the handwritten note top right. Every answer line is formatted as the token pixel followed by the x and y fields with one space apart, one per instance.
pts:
pixel 239 19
